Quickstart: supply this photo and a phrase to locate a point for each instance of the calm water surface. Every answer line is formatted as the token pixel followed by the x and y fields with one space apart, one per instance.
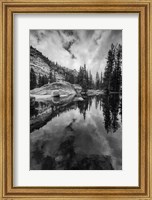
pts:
pixel 67 133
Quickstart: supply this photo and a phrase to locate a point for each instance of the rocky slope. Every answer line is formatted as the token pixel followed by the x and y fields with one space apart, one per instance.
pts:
pixel 43 66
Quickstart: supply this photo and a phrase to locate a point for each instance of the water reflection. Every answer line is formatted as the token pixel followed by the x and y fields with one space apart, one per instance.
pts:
pixel 112 108
pixel 68 133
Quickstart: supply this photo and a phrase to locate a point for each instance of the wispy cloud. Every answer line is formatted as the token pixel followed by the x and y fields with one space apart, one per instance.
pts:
pixel 74 48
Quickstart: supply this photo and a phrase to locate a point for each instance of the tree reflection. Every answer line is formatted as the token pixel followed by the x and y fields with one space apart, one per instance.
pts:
pixel 98 102
pixel 83 106
pixel 65 156
pixel 90 102
pixel 112 106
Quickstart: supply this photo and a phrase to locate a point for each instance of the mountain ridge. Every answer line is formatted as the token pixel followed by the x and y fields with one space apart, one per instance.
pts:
pixel 42 66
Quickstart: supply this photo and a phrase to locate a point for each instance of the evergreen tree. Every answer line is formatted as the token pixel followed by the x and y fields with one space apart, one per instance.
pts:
pixel 54 77
pixel 97 81
pixel 39 81
pixel 112 80
pixel 109 68
pixel 101 81
pixel 84 81
pixel 80 76
pixel 90 81
pixel 45 80
pixel 42 81
pixel 33 83
pixel 116 80
pixel 51 77
pixel 118 68
pixel 87 79
pixel 71 78
pixel 83 78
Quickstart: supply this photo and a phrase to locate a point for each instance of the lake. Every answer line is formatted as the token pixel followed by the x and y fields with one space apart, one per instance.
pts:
pixel 73 134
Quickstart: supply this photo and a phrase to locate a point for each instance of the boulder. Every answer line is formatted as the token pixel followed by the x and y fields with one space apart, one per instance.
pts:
pixel 54 89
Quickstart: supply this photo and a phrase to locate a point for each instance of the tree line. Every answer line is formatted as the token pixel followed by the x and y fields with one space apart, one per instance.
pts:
pixel 37 82
pixel 41 79
pixel 85 79
pixel 111 80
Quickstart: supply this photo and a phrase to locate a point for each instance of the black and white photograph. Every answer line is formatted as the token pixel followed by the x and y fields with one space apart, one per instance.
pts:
pixel 75 99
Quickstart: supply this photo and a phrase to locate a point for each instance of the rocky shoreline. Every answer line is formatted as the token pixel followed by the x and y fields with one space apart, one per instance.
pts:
pixel 43 101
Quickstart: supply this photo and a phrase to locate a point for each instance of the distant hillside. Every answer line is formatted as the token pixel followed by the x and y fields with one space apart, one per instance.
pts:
pixel 42 66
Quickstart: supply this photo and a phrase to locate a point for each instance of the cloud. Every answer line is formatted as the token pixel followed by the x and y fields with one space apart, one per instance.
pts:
pixel 74 48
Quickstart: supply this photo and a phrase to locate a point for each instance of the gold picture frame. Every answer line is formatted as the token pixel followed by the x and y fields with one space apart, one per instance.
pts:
pixel 7 9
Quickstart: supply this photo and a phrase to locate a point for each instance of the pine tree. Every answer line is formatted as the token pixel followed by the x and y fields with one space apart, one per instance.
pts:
pixel 87 79
pixel 33 83
pixel 50 77
pixel 45 80
pixel 42 81
pixel 109 68
pixel 119 65
pixel 80 76
pixel 71 78
pixel 90 81
pixel 101 81
pixel 39 81
pixel 84 81
pixel 116 80
pixel 112 80
pixel 97 81
pixel 54 77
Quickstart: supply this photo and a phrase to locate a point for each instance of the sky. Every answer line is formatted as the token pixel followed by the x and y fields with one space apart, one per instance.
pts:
pixel 74 48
